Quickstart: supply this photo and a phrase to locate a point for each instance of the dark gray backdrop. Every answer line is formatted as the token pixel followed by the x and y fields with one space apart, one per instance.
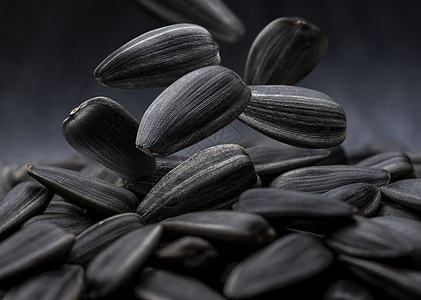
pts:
pixel 49 49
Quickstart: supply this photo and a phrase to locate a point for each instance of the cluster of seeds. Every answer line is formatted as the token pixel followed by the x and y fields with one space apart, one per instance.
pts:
pixel 131 219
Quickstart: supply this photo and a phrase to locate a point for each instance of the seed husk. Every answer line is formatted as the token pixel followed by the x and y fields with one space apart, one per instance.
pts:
pixel 397 163
pixel 280 204
pixel 321 179
pixel 159 57
pixel 162 284
pixel 32 247
pixel 285 51
pixel 25 200
pixel 368 239
pixel 398 282
pixel 211 177
pixel 192 108
pixel 364 196
pixel 119 262
pixel 297 116
pixel 188 253
pixel 347 289
pixel 63 207
pixel 70 223
pixel 287 261
pixel 393 209
pixel 214 15
pixel 64 283
pixel 105 132
pixel 97 237
pixel 223 225
pixel 405 192
pixel 92 192
pixel 273 160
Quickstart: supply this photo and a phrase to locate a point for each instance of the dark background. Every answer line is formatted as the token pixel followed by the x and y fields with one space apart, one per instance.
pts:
pixel 49 49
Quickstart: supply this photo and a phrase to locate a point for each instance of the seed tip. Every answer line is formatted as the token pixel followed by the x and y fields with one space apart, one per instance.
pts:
pixel 147 152
pixel 74 110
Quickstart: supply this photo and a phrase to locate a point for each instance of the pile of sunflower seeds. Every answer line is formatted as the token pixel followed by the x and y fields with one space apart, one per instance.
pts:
pixel 133 218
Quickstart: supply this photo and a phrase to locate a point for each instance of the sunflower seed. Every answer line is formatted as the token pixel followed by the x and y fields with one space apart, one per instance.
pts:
pixel 405 192
pixel 408 228
pixel 346 289
pixel 225 226
pixel 400 283
pixel 284 204
pixel 159 57
pixel 211 177
pixel 396 163
pixel 25 200
pixel 97 237
pixel 285 51
pixel 364 196
pixel 64 283
pixel 287 261
pixel 70 223
pixel 160 284
pixel 88 191
pixel 321 179
pixel 63 207
pixel 214 15
pixel 368 239
pixel 188 253
pixel 273 160
pixel 105 132
pixel 32 247
pixel 119 262
pixel 296 116
pixel 192 108
pixel 394 209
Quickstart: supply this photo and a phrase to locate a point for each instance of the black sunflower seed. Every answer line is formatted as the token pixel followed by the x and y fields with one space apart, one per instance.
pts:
pixel 188 253
pixel 209 178
pixel 88 191
pixel 118 263
pixel 32 247
pixel 285 51
pixel 405 192
pixel 192 108
pixel 393 209
pixel 159 57
pixel 161 284
pixel 284 204
pixel 91 241
pixel 397 163
pixel 214 15
pixel 105 132
pixel 369 239
pixel 226 226
pixel 63 207
pixel 321 179
pixel 364 196
pixel 70 223
pixel 64 283
pixel 397 282
pixel 296 116
pixel 25 200
pixel 287 261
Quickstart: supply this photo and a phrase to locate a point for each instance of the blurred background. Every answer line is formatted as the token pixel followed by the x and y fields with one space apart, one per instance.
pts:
pixel 49 49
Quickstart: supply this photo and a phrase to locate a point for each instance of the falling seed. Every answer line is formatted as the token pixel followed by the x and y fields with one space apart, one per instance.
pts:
pixel 296 116
pixel 214 15
pixel 192 108
pixel 105 132
pixel 285 51
pixel 159 57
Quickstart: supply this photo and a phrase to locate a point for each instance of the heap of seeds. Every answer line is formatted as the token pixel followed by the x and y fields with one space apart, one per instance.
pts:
pixel 135 221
